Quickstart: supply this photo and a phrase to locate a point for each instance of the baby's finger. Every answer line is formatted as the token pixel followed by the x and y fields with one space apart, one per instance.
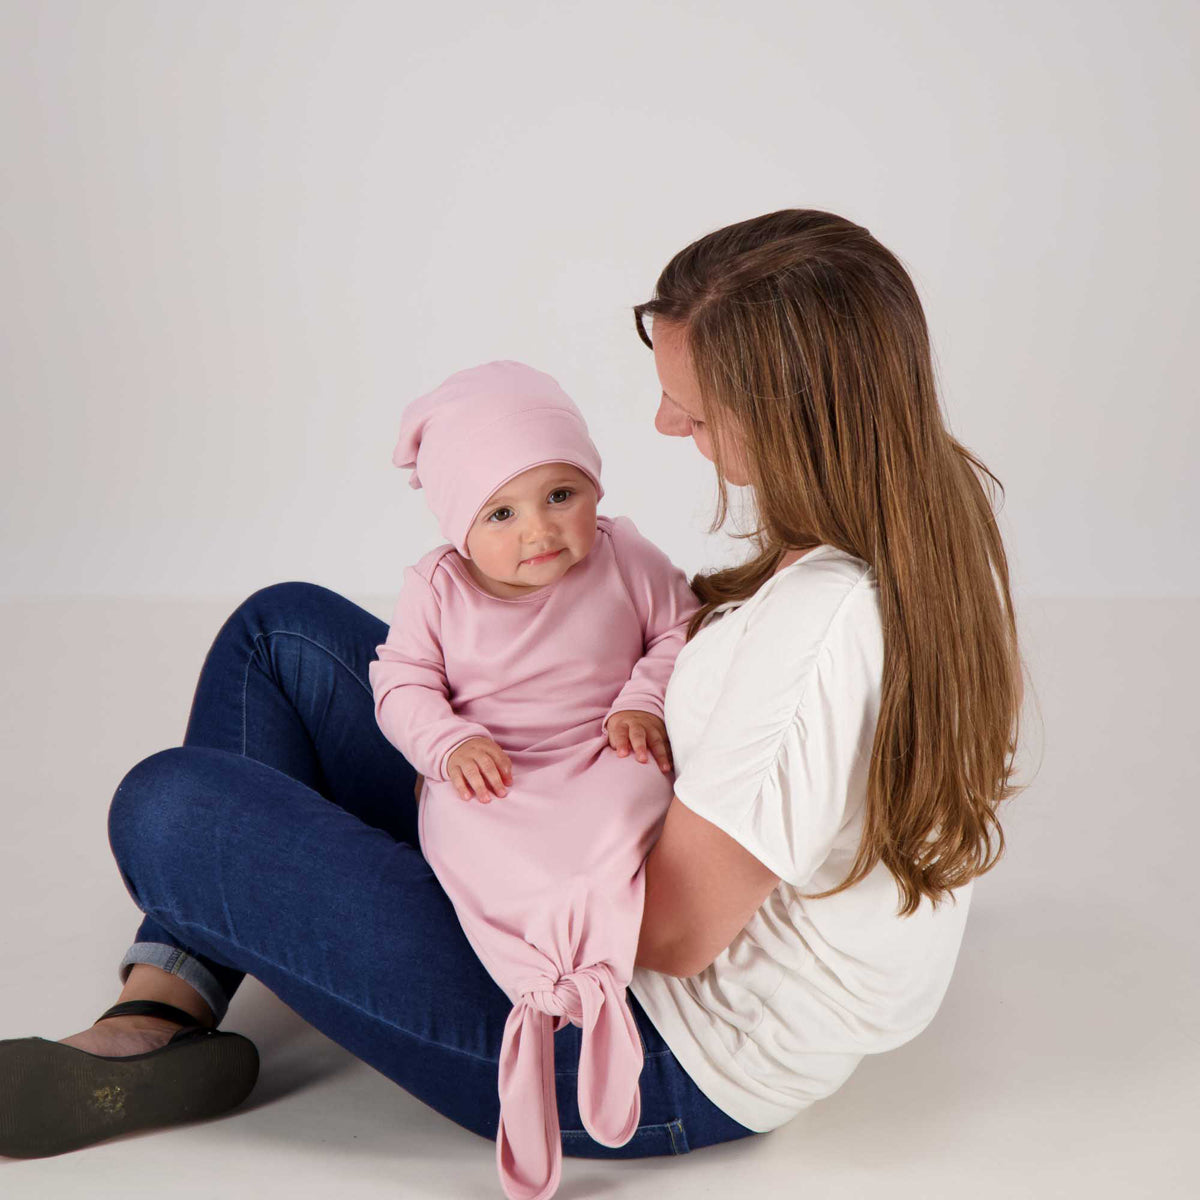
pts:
pixel 637 735
pixel 475 779
pixel 618 738
pixel 459 780
pixel 662 752
pixel 505 765
pixel 492 771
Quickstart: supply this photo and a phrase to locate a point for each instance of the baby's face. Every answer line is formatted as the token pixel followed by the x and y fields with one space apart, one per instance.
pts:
pixel 547 510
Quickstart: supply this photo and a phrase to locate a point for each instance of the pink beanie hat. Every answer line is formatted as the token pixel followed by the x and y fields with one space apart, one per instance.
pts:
pixel 480 428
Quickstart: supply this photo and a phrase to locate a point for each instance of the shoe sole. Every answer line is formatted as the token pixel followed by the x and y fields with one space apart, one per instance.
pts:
pixel 55 1098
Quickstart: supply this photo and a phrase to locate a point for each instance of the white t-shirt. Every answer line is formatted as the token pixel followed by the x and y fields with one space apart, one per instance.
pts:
pixel 771 711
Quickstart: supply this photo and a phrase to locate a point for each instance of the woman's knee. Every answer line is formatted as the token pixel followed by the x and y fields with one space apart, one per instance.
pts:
pixel 160 800
pixel 295 607
pixel 286 605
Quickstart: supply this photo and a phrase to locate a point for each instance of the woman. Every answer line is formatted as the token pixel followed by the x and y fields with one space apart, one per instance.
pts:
pixel 843 722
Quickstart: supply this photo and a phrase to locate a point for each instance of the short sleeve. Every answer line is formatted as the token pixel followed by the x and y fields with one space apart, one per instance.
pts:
pixel 783 760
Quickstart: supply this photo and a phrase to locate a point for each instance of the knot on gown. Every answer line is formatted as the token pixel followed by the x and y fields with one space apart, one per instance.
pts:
pixel 528 1141
pixel 562 997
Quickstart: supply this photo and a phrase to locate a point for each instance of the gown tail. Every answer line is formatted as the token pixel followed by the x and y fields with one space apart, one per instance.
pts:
pixel 528 1141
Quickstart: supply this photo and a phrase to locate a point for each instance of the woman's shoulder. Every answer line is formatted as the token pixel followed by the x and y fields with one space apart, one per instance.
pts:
pixel 825 587
pixel 824 567
pixel 818 617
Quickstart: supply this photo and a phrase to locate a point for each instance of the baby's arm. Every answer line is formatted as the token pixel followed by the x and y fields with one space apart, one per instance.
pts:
pixel 664 603
pixel 408 679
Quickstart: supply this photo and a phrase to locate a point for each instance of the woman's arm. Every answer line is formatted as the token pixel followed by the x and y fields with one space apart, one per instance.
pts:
pixel 785 747
pixel 701 889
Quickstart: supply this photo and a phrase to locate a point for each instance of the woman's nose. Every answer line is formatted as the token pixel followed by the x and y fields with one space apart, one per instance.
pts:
pixel 670 421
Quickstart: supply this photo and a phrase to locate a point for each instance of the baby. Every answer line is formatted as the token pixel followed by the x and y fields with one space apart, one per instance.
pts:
pixel 526 666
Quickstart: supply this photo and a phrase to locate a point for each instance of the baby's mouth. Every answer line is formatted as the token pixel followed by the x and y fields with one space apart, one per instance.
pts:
pixel 543 557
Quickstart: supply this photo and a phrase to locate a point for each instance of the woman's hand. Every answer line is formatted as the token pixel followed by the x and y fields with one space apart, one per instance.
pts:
pixel 477 763
pixel 640 731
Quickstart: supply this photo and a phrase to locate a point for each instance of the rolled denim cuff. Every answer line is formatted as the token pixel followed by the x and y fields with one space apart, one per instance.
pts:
pixel 179 962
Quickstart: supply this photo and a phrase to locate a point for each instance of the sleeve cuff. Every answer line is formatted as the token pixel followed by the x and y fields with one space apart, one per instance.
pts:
pixel 766 855
pixel 441 776
pixel 646 704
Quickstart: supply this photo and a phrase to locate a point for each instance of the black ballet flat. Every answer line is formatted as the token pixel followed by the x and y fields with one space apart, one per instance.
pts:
pixel 55 1098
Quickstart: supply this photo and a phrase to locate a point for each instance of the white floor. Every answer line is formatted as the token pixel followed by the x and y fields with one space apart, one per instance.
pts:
pixel 1065 1061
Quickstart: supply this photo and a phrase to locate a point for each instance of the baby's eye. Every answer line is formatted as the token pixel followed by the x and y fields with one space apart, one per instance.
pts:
pixel 563 492
pixel 498 512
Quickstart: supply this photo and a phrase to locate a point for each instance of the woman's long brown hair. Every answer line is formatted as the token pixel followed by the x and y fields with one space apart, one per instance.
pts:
pixel 808 341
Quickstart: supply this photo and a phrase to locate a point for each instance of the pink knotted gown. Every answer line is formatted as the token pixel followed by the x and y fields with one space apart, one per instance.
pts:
pixel 548 881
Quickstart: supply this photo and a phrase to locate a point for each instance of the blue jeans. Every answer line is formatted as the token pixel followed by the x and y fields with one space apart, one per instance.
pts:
pixel 280 840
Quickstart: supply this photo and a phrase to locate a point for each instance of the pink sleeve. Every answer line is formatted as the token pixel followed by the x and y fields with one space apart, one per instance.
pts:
pixel 664 603
pixel 408 679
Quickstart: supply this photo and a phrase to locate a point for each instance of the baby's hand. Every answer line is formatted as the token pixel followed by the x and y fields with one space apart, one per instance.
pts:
pixel 632 728
pixel 477 759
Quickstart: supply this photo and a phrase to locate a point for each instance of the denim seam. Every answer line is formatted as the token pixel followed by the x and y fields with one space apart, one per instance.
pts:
pixel 259 638
pixel 674 1127
pixel 652 1054
pixel 173 961
pixel 674 1131
pixel 640 1129
pixel 270 633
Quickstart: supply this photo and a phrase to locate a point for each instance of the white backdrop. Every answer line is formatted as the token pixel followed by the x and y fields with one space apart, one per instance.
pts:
pixel 238 237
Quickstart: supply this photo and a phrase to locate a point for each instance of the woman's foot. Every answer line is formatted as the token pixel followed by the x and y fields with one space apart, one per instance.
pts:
pixel 121 1076
pixel 134 1034
pixel 120 1036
